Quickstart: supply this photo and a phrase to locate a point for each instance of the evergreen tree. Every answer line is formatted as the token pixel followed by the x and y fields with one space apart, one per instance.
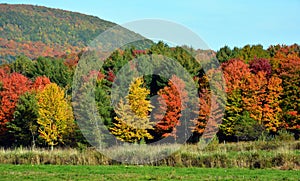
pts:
pixel 24 126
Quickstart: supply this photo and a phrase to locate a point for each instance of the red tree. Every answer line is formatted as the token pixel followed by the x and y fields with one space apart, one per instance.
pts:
pixel 172 101
pixel 40 83
pixel 261 64
pixel 204 111
pixel 111 76
pixel 13 85
pixel 236 72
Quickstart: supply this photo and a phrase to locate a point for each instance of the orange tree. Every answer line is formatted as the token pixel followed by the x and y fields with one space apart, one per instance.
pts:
pixel 172 99
pixel 286 62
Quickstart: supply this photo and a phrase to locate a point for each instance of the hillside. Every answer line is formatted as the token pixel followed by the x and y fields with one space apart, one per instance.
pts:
pixel 40 31
pixel 50 26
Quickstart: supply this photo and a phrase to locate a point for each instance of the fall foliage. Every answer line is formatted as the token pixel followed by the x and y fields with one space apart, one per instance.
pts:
pixel 132 120
pixel 55 114
pixel 13 85
pixel 172 99
pixel 262 95
pixel 252 90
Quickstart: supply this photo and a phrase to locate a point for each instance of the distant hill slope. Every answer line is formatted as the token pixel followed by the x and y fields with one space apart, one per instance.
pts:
pixel 41 31
pixel 50 26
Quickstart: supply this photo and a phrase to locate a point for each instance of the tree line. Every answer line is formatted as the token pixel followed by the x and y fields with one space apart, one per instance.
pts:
pixel 262 91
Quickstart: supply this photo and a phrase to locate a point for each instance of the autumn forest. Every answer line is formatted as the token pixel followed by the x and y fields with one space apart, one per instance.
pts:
pixel 38 65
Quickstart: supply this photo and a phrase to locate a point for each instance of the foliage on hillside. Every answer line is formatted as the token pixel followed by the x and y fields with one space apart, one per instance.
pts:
pixel 40 31
pixel 50 26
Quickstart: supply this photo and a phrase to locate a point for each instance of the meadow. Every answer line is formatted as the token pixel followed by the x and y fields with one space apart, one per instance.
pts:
pixel 65 172
pixel 258 160
pixel 284 155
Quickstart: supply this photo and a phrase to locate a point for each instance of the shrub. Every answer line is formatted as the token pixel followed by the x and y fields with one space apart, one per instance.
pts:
pixel 284 135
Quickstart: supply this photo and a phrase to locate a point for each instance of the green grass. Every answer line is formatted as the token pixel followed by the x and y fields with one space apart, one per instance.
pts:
pixel 64 172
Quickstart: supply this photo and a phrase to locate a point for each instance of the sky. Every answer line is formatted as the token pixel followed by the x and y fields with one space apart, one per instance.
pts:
pixel 216 22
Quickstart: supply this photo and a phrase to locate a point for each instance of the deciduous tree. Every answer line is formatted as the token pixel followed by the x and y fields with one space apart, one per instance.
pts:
pixel 13 86
pixel 289 70
pixel 55 114
pixel 172 99
pixel 133 120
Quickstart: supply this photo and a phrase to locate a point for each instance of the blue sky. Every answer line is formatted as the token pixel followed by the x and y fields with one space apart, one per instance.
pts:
pixel 217 22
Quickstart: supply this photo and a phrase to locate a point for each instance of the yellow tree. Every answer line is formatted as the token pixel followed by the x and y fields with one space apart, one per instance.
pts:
pixel 137 98
pixel 132 120
pixel 55 114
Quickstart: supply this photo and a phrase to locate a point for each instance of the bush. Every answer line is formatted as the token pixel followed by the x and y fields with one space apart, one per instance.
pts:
pixel 284 135
pixel 248 129
pixel 212 145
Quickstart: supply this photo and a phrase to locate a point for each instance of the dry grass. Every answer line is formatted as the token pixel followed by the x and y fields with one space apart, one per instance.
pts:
pixel 273 154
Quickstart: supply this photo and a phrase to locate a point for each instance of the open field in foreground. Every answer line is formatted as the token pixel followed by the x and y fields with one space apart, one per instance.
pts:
pixel 64 172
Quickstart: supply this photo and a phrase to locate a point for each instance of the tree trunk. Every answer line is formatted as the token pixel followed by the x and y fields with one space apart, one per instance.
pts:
pixel 33 142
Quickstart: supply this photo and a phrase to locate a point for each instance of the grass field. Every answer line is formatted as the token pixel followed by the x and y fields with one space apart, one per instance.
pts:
pixel 64 172
pixel 273 160
pixel 263 155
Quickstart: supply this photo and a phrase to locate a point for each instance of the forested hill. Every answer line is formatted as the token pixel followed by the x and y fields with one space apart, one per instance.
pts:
pixel 50 26
pixel 40 31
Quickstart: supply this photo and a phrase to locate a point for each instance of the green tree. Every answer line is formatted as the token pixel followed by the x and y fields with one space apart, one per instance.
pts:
pixel 247 129
pixel 24 126
pixel 86 114
pixel 24 66
pixel 102 98
pixel 248 52
pixel 224 54
pixel 55 70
